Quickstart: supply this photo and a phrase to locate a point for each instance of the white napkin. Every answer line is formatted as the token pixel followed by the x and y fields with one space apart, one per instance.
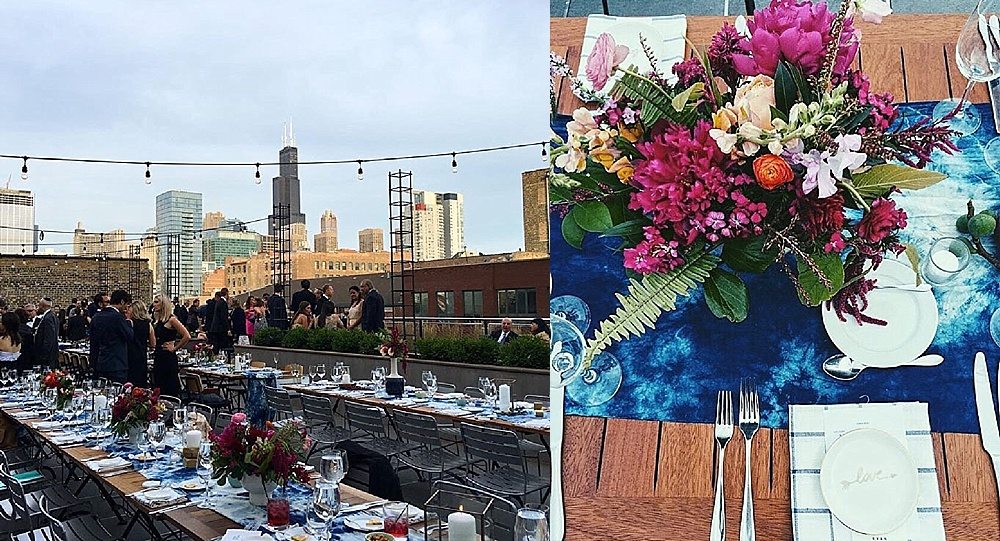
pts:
pixel 536 423
pixel 665 35
pixel 107 463
pixel 245 535
pixel 813 428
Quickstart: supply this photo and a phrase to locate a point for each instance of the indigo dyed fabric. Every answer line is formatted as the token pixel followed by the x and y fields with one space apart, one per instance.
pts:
pixel 673 372
pixel 256 402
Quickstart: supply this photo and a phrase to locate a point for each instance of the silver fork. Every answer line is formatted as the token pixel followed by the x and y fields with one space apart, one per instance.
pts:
pixel 723 433
pixel 749 424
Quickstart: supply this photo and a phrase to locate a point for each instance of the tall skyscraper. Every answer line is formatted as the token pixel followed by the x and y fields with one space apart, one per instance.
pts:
pixel 438 225
pixel 17 222
pixel 285 186
pixel 148 251
pixel 535 202
pixel 326 239
pixel 371 239
pixel 216 248
pixel 212 220
pixel 299 236
pixel 179 212
pixel 92 244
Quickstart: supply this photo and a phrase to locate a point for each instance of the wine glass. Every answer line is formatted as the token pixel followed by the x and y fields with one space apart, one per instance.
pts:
pixel 432 385
pixel 333 466
pixel 424 376
pixel 179 415
pixel 323 509
pixel 143 441
pixel 205 471
pixel 531 524
pixel 157 431
pixel 490 391
pixel 587 384
pixel 312 374
pixel 977 53
pixel 321 371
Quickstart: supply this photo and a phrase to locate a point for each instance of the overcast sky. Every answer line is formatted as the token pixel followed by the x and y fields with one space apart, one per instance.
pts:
pixel 214 81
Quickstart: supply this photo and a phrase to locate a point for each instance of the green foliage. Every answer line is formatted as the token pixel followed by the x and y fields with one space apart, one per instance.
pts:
pixel 648 298
pixel 726 295
pixel 480 350
pixel 982 224
pixel 353 341
pixel 749 255
pixel 268 337
pixel 296 338
pixel 657 103
pixel 592 216
pixel 525 352
pixel 878 180
pixel 320 339
pixel 815 292
pixel 571 231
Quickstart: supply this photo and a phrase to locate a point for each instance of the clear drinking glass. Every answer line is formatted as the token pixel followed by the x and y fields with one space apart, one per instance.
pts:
pixel 321 371
pixel 531 524
pixel 179 416
pixel 396 520
pixel 205 471
pixel 143 441
pixel 587 383
pixel 977 53
pixel 157 431
pixel 945 260
pixel 491 392
pixel 333 466
pixel 432 385
pixel 424 376
pixel 323 509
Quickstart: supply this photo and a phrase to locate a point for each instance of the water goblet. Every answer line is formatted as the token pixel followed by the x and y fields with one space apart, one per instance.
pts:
pixel 333 466
pixel 321 371
pixel 323 509
pixel 491 392
pixel 424 376
pixel 157 431
pixel 976 53
pixel 432 385
pixel 205 471
pixel 531 524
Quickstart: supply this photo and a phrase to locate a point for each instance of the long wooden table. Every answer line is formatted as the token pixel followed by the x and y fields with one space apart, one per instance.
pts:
pixel 628 479
pixel 199 524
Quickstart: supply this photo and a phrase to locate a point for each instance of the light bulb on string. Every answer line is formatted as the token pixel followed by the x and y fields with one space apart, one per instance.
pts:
pixel 545 152
pixel 256 175
pixel 41 236
pixel 24 168
pixel 361 172
pixel 149 177
pixel 454 163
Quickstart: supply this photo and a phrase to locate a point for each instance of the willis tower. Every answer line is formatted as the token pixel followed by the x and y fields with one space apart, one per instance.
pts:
pixel 285 186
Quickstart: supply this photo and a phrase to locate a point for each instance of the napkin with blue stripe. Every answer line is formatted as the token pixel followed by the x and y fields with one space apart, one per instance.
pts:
pixel 813 429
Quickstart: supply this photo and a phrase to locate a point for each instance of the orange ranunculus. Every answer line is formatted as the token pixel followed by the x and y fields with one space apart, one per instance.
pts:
pixel 772 171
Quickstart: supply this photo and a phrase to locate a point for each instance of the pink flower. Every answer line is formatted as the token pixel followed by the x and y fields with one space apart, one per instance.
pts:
pixel 797 32
pixel 689 71
pixel 239 418
pixel 883 220
pixel 653 254
pixel 725 44
pixel 836 244
pixel 603 59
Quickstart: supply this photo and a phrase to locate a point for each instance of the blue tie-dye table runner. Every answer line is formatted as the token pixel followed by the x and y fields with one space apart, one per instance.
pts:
pixel 673 372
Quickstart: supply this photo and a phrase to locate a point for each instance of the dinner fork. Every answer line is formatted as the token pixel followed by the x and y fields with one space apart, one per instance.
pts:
pixel 723 433
pixel 749 424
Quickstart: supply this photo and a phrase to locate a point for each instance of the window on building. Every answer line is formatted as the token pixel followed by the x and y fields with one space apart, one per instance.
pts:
pixel 472 303
pixel 446 303
pixel 420 304
pixel 516 302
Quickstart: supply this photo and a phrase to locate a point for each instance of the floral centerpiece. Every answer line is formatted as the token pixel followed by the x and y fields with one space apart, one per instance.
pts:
pixel 202 349
pixel 394 347
pixel 134 408
pixel 269 456
pixel 766 149
pixel 63 383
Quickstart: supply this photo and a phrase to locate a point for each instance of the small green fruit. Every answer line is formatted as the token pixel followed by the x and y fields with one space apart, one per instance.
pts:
pixel 982 224
pixel 962 224
pixel 989 213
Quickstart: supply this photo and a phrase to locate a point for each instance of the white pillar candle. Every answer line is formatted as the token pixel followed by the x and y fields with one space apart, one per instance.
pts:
pixel 461 527
pixel 100 402
pixel 945 260
pixel 192 439
pixel 504 403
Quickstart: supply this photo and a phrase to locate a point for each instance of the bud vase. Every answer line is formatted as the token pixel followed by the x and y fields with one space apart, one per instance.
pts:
pixel 394 382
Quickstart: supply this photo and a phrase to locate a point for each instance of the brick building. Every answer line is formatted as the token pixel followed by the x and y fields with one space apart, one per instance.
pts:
pixel 535 204
pixel 62 277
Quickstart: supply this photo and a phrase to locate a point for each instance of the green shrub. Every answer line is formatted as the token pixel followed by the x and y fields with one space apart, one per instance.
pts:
pixel 459 350
pixel 346 340
pixel 369 343
pixel 269 337
pixel 296 338
pixel 321 339
pixel 525 352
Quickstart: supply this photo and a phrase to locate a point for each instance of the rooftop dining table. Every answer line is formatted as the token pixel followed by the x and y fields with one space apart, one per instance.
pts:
pixel 627 478
pixel 195 522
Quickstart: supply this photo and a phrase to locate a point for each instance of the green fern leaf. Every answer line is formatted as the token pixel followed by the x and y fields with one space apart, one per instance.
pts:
pixel 647 299
pixel 657 103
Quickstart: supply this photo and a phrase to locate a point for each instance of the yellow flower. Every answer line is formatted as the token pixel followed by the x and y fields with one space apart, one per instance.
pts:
pixel 623 168
pixel 723 119
pixel 630 134
pixel 573 161
pixel 604 156
pixel 582 124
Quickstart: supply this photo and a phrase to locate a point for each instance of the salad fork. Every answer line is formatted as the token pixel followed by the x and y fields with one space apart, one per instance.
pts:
pixel 723 433
pixel 749 424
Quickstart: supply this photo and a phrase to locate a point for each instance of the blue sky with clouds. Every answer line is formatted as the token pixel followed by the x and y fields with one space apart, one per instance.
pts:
pixel 214 81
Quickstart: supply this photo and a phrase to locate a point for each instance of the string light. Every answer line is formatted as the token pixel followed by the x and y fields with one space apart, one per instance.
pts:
pixel 361 172
pixel 41 235
pixel 454 163
pixel 545 153
pixel 24 168
pixel 256 175
pixel 149 177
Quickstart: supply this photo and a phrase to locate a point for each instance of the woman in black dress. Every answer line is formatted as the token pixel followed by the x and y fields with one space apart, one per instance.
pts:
pixel 142 340
pixel 167 328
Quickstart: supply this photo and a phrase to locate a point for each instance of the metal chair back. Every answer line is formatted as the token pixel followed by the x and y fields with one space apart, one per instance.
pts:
pixel 317 410
pixel 537 399
pixel 446 387
pixel 172 401
pixel 56 528
pixel 366 419
pixel 493 445
pixel 207 411
pixel 18 500
pixel 417 428
pixel 279 401
pixel 502 513
pixel 473 392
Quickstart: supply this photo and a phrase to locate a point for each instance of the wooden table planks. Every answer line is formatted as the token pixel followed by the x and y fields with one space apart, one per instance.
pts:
pixel 612 492
pixel 911 56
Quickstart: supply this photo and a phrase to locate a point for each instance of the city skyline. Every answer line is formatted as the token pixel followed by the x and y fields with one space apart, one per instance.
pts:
pixel 202 88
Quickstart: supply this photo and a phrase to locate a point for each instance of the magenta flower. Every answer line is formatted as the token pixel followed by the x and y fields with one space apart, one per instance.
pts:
pixel 689 71
pixel 882 220
pixel 603 59
pixel 797 32
pixel 725 44
pixel 653 254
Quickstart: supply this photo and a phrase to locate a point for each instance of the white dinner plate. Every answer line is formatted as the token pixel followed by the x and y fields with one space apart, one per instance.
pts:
pixel 912 319
pixel 161 495
pixel 869 481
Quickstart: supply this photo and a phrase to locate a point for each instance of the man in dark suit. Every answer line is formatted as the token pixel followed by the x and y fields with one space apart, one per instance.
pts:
pixel 238 320
pixel 180 312
pixel 326 309
pixel 110 334
pixel 277 312
pixel 207 312
pixel 373 311
pixel 99 303
pixel 220 329
pixel 304 294
pixel 504 334
pixel 47 335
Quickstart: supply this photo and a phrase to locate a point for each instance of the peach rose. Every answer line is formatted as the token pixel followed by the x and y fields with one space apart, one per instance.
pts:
pixel 772 171
pixel 753 102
